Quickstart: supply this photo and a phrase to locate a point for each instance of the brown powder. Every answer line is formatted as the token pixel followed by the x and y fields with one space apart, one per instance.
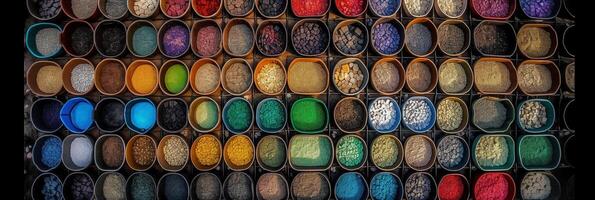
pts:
pixel 534 41
pixel 385 77
pixel 271 186
pixel 307 77
pixel 534 78
pixel 207 78
pixel 112 152
pixel 238 77
pixel 419 76
pixel 310 185
pixel 49 79
pixel 112 77
pixel 491 76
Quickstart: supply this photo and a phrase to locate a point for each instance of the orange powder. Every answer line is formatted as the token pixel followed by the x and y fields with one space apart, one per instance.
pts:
pixel 144 78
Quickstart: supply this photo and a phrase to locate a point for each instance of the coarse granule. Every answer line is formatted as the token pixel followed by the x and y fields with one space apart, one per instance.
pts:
pixel 271 152
pixel 350 186
pixel 81 187
pixel 491 151
pixel 350 39
pixel 569 76
pixel 348 78
pixel 143 151
pixel 144 8
pixel 112 77
pixel 419 38
pixel 385 77
pixel 81 77
pixel 533 115
pixel 491 76
pixel 451 188
pixel 419 76
pixel 49 79
pixel 271 186
pixel 83 9
pixel 417 114
pixel 310 186
pixel 310 151
pixel 387 37
pixel 489 113
pixel 47 41
pixel 238 115
pixel 112 152
pixel 239 7
pixel 383 114
pixel 207 7
pixel 418 8
pixel 141 187
pixel 494 39
pixel 207 187
pixel 418 186
pixel 536 151
pixel 238 77
pixel 540 8
pixel 51 150
pixel 491 8
pixel 452 8
pixel 271 78
pixel 81 152
pixel 450 152
pixel 175 151
pixel 238 186
pixel 208 151
pixel 351 7
pixel 176 8
pixel 144 40
pixel 452 78
pixel 207 78
pixel 172 114
pixel 208 40
pixel 450 114
pixel 350 151
pixel 144 78
pixel 115 8
pixel 451 38
pixel 239 151
pixel 307 77
pixel 491 186
pixel 52 188
pixel 384 151
pixel 384 186
pixel 534 41
pixel 113 187
pixel 534 78
pixel 384 8
pixel 418 151
pixel 81 39
pixel 271 38
pixel 240 39
pixel 112 38
pixel 271 115
pixel 309 115
pixel 350 115
pixel 536 185
pixel 310 38
pixel 47 8
pixel 175 187
pixel 309 8
pixel 176 39
pixel 271 8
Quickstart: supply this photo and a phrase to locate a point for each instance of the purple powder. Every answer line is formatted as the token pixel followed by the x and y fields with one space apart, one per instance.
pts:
pixel 175 40
pixel 538 8
pixel 491 8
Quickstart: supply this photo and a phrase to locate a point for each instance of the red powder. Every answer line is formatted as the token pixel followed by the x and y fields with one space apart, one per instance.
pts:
pixel 309 8
pixel 491 186
pixel 451 187
pixel 176 7
pixel 206 7
pixel 351 8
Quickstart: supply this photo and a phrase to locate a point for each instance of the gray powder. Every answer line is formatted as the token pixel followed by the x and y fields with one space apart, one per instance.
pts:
pixel 47 41
pixel 207 187
pixel 489 113
pixel 83 9
pixel 82 78
pixel 115 8
pixel 419 39
pixel 536 185
pixel 240 39
pixel 238 186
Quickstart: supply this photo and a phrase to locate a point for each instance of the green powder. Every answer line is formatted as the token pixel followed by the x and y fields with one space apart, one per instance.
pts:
pixel 206 115
pixel 384 151
pixel 175 78
pixel 308 115
pixel 238 116
pixel 310 151
pixel 271 115
pixel 350 151
pixel 271 152
pixel 144 40
pixel 536 151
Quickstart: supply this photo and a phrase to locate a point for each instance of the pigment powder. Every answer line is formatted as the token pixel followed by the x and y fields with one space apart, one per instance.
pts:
pixel 271 8
pixel 350 186
pixel 491 76
pixel 176 8
pixel 80 187
pixel 534 78
pixel 48 8
pixel 307 77
pixel 309 8
pixel 450 115
pixel 419 186
pixel 534 41
pixel 488 113
pixel 206 79
pixel 491 186
pixel 109 115
pixel 417 114
pixel 350 39
pixel 451 38
pixel 240 39
pixel 47 41
pixel 491 151
pixel 208 40
pixel 237 77
pixel 206 115
pixel 52 188
pixel 385 77
pixel 175 151
pixel 112 152
pixel 51 150
pixel 539 8
pixel 83 9
pixel 351 8
pixel 112 77
pixel 175 40
pixel 271 39
pixel 418 152
pixel 386 38
pixel 81 116
pixel 208 151
pixel 451 188
pixel 206 7
pixel 308 115
pixel 452 77
pixel 113 186
pixel 172 114
pixel 419 76
pixel 81 77
pixel 271 78
pixel 310 186
pixel 143 151
pixel 310 38
pixel 239 151
pixel 144 79
pixel 175 187
pixel 536 151
pixel 271 152
pixel 207 187
pixel 491 8
pixel 143 114
pixel 494 39
pixel 81 39
pixel 349 77
pixel 45 115
pixel 310 151
pixel 536 185
pixel 384 151
pixel 115 8
pixel 419 40
pixel 238 115
pixel 384 186
pixel 418 8
pixel 49 79
pixel 271 186
pixel 112 37
pixel 81 152
pixel 451 151
pixel 384 8
pixel 350 115
pixel 239 7
pixel 238 186
pixel 144 40
pixel 141 187
pixel 452 8
pixel 350 151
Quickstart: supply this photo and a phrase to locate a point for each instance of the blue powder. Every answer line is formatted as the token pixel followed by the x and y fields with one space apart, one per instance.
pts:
pixel 82 115
pixel 386 38
pixel 350 186
pixel 50 152
pixel 175 188
pixel 384 186
pixel 143 115
pixel 52 188
pixel 384 7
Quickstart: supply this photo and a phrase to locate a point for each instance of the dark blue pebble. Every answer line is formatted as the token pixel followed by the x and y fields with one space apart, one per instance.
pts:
pixel 81 187
pixel 384 7
pixel 51 188
pixel 51 151
pixel 386 38
pixel 538 8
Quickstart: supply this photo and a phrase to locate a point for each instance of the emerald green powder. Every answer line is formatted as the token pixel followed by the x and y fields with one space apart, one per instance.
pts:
pixel 271 115
pixel 238 116
pixel 350 151
pixel 144 40
pixel 271 152
pixel 536 151
pixel 310 151
pixel 308 115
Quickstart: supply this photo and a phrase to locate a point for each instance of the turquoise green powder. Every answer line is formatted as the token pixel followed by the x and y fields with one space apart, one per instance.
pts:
pixel 175 78
pixel 271 115
pixel 310 151
pixel 350 151
pixel 308 115
pixel 144 40
pixel 536 151
pixel 238 116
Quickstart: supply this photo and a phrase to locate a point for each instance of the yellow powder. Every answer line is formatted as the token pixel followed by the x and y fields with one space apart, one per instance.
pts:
pixel 208 151
pixel 307 77
pixel 49 79
pixel 239 151
pixel 144 78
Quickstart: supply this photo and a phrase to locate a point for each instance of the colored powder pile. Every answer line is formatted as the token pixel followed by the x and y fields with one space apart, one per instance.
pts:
pixel 80 187
pixel 419 39
pixel 141 187
pixel 48 8
pixel 271 8
pixel 310 151
pixel 81 152
pixel 308 115
pixel 350 151
pixel 310 38
pixel 81 116
pixel 115 8
pixel 113 186
pixel 112 152
pixel 52 188
pixel 81 77
pixel 450 115
pixel 350 186
pixel 83 9
pixel 534 41
pixel 51 152
pixel 271 186
pixel 534 78
pixel 384 151
pixel 143 151
pixel 386 38
pixel 307 77
pixel 144 40
pixel 350 115
pixel 241 38
pixel 81 39
pixel 207 187
pixel 488 113
pixel 206 114
pixel 385 77
pixel 47 41
pixel 239 151
pixel 419 76
pixel 111 77
pixel 239 7
pixel 238 115
pixel 351 8
pixel 451 152
pixel 271 39
pixel 309 8
pixel 176 8
pixel 208 40
pixel 384 8
pixel 144 79
pixel 206 79
pixel 418 152
pixel 175 151
pixel 384 186
pixel 271 115
pixel 491 186
pixel 49 79
pixel 452 8
pixel 238 186
pixel 491 151
pixel 310 185
pixel 536 185
pixel 451 188
pixel 109 115
pixel 494 38
pixel 176 78
pixel 112 37
pixel 271 152
pixel 536 151
pixel 418 8
pixel 175 40
pixel 452 77
pixel 143 116
pixel 539 8
pixel 419 186
pixel 491 76
pixel 208 151
pixel 175 187
pixel 491 8
pixel 45 115
pixel 207 7
pixel 237 78
pixel 172 114
pixel 451 38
